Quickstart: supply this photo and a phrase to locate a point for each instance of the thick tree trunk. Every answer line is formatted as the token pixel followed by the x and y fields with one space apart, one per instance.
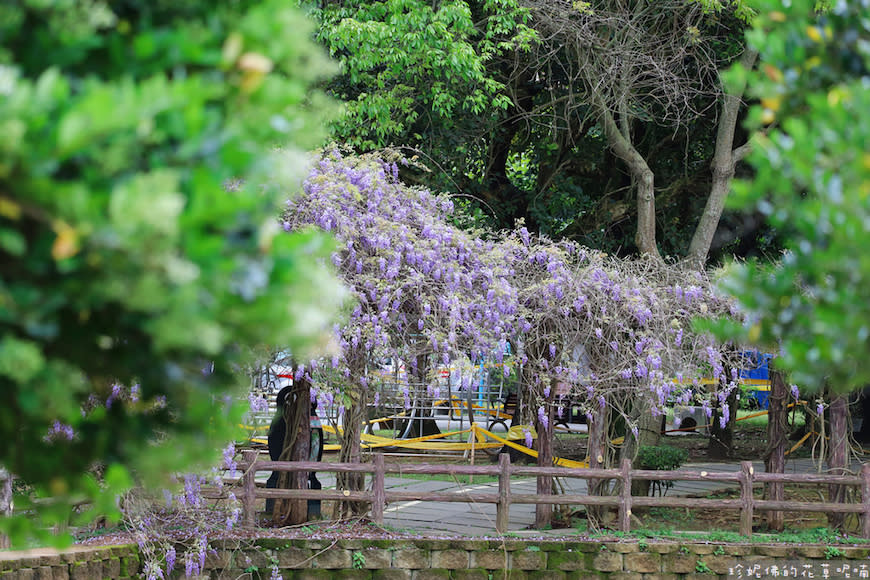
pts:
pixel 297 447
pixel 544 512
pixel 725 159
pixel 838 455
pixel 351 450
pixel 777 438
pixel 644 181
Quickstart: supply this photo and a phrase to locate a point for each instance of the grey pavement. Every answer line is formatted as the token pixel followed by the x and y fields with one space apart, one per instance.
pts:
pixel 477 519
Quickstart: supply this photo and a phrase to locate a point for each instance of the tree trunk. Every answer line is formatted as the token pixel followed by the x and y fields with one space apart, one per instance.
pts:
pixel 643 178
pixel 721 444
pixel 649 433
pixel 351 450
pixel 722 438
pixel 725 159
pixel 297 447
pixel 544 512
pixel 777 438
pixel 838 455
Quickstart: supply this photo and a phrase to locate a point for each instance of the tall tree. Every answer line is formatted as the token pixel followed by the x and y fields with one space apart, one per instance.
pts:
pixel 573 93
pixel 812 175
pixel 635 60
pixel 142 148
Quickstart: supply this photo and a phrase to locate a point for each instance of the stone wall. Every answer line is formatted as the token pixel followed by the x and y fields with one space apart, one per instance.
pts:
pixel 464 560
pixel 77 563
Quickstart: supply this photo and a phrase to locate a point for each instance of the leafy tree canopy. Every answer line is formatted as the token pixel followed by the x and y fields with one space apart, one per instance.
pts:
pixel 812 182
pixel 142 145
pixel 497 104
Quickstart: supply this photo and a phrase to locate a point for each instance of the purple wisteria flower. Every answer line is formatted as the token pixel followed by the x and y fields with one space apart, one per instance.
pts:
pixel 169 558
pixel 543 419
pixel 257 404
pixel 230 464
pixel 58 432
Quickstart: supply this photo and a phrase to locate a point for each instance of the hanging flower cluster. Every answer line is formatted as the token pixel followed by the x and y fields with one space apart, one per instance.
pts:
pixel 424 289
pixel 583 324
pixel 604 331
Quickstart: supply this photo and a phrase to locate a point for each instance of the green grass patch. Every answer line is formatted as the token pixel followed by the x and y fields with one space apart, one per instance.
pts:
pixel 458 479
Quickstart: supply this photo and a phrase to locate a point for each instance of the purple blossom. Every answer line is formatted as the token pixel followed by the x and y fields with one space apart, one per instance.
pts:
pixel 543 419
pixel 257 404
pixel 795 392
pixel 705 405
pixel 524 235
pixel 114 395
pixel 820 408
pixel 192 491
pixel 229 459
pixel 169 558
pixel 59 431
pixel 152 570
pixel 235 512
pixel 528 438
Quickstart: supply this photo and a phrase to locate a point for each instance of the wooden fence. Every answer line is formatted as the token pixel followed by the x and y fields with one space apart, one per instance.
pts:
pixel 378 496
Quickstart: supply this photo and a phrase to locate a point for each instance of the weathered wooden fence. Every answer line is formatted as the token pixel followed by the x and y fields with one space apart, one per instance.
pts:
pixel 378 496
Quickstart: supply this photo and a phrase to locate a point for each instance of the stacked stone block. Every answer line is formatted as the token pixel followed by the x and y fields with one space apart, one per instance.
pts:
pixel 422 559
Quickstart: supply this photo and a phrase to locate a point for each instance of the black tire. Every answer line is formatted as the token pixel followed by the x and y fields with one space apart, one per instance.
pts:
pixel 498 426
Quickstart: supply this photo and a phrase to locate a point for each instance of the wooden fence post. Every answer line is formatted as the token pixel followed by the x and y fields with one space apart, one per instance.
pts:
pixel 379 493
pixel 746 499
pixel 865 499
pixel 502 514
pixel 625 497
pixel 249 488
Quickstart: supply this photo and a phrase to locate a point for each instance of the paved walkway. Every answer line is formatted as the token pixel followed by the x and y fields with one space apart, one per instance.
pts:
pixel 469 519
pixel 479 519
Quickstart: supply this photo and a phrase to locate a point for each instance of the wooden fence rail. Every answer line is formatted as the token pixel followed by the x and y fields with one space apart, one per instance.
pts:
pixel 378 496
